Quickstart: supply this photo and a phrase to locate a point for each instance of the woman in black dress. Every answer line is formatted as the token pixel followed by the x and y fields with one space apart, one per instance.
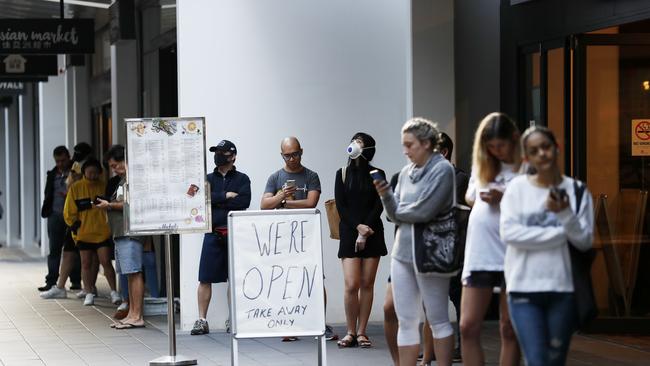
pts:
pixel 362 236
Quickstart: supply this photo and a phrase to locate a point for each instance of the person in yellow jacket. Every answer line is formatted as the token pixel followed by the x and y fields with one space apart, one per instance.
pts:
pixel 90 228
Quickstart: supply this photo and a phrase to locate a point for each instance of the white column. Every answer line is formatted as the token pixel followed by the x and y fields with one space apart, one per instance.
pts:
pixel 29 204
pixel 12 172
pixel 259 71
pixel 3 182
pixel 124 87
pixel 52 133
pixel 81 105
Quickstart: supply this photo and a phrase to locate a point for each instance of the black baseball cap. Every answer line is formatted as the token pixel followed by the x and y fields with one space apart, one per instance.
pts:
pixel 225 146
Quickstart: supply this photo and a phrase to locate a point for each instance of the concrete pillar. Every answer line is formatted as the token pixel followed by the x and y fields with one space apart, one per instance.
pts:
pixel 318 70
pixel 12 173
pixel 52 133
pixel 29 211
pixel 150 60
pixel 77 110
pixel 81 107
pixel 3 181
pixel 124 87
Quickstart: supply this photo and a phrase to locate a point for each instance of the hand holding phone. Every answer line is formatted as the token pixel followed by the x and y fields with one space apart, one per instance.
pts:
pixel 376 175
pixel 557 199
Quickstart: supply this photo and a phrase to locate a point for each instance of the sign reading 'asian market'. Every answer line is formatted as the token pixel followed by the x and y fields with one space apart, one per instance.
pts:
pixel 47 36
pixel 641 137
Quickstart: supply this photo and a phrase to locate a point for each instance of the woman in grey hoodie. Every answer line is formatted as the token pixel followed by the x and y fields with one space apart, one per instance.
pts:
pixel 424 190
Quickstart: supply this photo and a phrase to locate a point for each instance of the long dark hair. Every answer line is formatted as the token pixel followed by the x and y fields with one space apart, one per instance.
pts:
pixel 358 170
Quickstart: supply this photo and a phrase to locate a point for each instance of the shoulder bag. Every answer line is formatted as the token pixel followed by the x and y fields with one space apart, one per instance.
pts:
pixel 333 218
pixel 436 246
pixel 583 291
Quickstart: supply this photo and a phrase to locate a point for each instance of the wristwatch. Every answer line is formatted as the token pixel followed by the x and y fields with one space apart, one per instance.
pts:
pixel 283 202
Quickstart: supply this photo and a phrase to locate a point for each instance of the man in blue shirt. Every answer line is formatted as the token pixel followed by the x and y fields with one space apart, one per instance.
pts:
pixel 230 191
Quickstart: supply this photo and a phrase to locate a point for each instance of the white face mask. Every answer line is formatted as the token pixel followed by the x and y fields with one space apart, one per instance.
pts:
pixel 355 150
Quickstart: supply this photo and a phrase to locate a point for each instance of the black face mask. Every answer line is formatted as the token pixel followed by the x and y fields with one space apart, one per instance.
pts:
pixel 221 160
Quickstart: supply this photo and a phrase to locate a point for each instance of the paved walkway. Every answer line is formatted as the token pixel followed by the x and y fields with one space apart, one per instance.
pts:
pixel 34 331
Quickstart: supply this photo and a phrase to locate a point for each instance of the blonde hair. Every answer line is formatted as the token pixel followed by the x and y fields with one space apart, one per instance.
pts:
pixel 423 130
pixel 495 125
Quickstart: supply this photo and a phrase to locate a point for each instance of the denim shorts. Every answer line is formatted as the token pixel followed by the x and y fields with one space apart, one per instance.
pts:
pixel 485 279
pixel 128 255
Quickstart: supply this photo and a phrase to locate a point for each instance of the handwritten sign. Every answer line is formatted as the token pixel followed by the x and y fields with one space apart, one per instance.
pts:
pixel 166 181
pixel 641 137
pixel 276 272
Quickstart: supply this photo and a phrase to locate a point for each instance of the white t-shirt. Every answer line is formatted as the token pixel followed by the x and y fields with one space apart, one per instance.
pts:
pixel 537 253
pixel 484 249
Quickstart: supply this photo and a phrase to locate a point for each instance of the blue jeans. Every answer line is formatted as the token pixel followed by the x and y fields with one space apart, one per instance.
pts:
pixel 150 276
pixel 544 323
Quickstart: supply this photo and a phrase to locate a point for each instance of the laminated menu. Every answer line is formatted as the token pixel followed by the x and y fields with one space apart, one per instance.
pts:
pixel 166 176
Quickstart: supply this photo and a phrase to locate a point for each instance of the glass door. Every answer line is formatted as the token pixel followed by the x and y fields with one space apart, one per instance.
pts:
pixel 543 100
pixel 611 151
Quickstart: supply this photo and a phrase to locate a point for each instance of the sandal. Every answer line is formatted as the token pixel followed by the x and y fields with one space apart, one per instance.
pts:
pixel 364 341
pixel 350 340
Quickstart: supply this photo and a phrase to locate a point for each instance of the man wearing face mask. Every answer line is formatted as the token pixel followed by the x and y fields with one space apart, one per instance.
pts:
pixel 230 191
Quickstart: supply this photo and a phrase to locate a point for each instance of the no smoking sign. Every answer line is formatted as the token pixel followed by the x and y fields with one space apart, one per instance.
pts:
pixel 641 137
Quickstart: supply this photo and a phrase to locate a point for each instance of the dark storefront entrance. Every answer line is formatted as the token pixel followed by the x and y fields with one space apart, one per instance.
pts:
pixel 591 85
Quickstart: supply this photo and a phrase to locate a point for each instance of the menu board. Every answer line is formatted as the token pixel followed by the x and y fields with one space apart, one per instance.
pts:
pixel 166 190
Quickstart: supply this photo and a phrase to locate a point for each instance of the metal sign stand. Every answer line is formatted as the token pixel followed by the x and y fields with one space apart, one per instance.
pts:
pixel 173 359
pixel 234 351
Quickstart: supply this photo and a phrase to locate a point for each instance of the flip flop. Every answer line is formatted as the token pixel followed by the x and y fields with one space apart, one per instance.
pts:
pixel 129 326
pixel 115 324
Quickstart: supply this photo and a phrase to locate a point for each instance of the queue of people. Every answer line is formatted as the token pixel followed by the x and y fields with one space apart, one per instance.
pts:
pixel 524 217
pixel 85 228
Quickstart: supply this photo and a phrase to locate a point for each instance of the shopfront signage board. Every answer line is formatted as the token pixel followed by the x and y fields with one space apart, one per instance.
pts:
pixel 28 65
pixel 47 36
pixel 167 191
pixel 9 87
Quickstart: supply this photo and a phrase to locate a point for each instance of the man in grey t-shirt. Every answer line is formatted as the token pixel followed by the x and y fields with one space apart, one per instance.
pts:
pixel 293 186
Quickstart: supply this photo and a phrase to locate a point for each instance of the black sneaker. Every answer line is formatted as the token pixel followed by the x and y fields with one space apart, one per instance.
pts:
pixel 329 334
pixel 47 287
pixel 200 327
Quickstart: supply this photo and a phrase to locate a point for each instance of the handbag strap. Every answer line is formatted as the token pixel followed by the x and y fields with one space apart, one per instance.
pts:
pixel 579 190
pixel 453 175
pixel 343 170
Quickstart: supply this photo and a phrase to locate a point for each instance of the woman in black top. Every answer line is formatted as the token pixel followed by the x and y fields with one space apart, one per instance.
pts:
pixel 362 236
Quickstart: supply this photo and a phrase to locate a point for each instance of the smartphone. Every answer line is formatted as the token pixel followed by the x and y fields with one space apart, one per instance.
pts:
pixel 290 183
pixel 558 194
pixel 484 191
pixel 376 175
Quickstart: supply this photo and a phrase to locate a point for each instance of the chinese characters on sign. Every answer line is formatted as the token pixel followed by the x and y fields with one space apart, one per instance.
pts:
pixel 47 36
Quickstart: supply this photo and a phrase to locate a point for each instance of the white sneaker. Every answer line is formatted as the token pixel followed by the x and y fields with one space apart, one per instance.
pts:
pixel 89 300
pixel 55 293
pixel 123 306
pixel 81 294
pixel 116 298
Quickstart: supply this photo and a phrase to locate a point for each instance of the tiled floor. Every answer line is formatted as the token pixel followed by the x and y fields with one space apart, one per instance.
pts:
pixel 34 331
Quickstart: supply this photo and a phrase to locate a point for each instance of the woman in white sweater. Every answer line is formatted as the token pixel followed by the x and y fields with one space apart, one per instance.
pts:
pixel 496 161
pixel 538 223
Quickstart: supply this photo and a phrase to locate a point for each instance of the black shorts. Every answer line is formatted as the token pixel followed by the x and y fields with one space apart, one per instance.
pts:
pixel 485 279
pixel 68 243
pixel 213 267
pixel 93 246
